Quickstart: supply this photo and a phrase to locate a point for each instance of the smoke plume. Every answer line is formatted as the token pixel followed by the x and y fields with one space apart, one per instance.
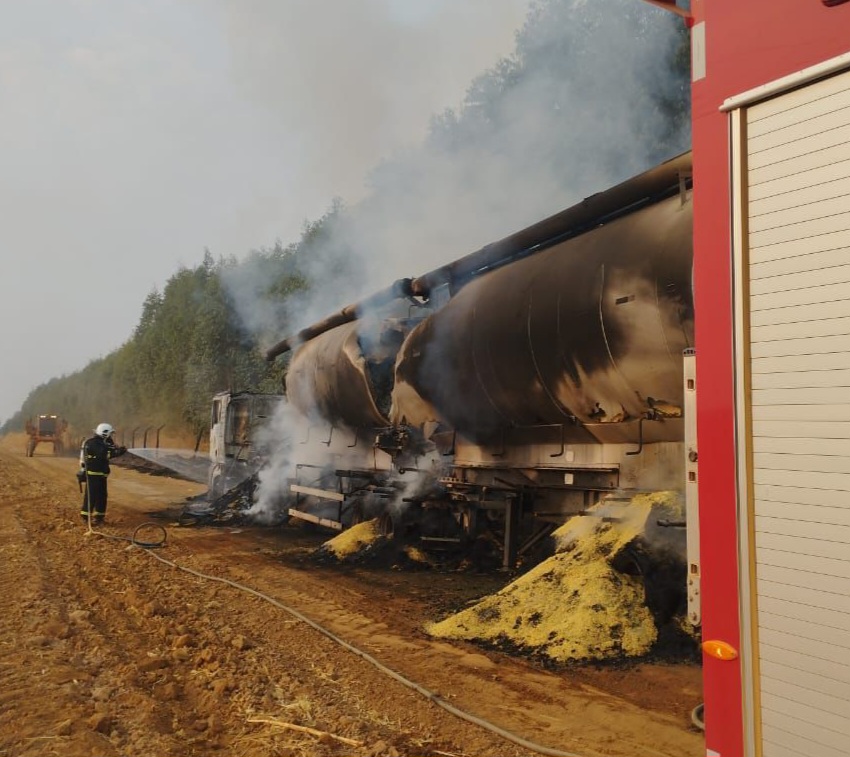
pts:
pixel 587 98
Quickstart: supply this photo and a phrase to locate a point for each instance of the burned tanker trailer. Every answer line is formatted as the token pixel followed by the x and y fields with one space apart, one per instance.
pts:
pixel 340 381
pixel 516 387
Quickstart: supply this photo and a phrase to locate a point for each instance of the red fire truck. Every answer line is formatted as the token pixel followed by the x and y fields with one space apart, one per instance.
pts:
pixel 771 152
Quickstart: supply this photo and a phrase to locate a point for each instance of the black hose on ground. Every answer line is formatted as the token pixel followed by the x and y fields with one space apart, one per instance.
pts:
pixel 148 544
pixel 134 539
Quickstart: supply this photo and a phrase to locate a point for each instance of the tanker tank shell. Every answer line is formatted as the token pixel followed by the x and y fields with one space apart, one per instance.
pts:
pixel 587 334
pixel 328 380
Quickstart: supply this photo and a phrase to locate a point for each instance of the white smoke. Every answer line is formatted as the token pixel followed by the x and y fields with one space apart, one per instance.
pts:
pixel 350 82
pixel 278 436
pixel 552 141
pixel 567 128
pixel 564 130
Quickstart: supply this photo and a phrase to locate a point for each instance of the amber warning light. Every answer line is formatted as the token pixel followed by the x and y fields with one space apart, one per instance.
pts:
pixel 720 649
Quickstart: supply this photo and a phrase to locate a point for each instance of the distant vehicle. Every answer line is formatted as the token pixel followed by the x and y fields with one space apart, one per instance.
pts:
pixel 236 434
pixel 46 428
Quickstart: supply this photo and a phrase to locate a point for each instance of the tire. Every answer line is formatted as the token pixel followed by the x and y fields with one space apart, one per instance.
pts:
pixel 357 516
pixel 388 527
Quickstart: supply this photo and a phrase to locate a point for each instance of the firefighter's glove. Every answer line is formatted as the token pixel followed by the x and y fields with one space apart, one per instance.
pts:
pixel 120 451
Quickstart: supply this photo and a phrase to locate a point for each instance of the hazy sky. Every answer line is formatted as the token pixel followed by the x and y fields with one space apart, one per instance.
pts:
pixel 135 134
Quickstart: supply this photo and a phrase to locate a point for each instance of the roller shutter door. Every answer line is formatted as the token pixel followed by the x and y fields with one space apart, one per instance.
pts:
pixel 798 240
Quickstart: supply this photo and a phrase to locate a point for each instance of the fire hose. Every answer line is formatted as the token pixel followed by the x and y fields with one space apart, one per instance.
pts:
pixel 133 539
pixel 698 716
pixel 425 692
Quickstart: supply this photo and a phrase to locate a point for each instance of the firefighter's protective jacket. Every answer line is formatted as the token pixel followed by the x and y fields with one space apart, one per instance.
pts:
pixel 97 452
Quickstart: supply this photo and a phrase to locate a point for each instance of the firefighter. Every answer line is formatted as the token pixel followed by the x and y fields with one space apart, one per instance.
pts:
pixel 94 460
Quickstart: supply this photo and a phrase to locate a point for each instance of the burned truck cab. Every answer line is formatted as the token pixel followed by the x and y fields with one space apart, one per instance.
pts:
pixel 239 425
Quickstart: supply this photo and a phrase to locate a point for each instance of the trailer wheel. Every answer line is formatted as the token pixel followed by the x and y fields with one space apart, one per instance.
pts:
pixel 390 526
pixel 357 515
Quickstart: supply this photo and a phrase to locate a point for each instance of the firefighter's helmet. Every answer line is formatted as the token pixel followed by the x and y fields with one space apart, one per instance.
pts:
pixel 104 430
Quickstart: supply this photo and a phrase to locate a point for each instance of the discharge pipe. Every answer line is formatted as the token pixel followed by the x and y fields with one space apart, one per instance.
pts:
pixel 662 181
pixel 400 288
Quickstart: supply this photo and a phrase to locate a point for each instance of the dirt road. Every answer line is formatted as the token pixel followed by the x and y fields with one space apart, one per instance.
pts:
pixel 106 651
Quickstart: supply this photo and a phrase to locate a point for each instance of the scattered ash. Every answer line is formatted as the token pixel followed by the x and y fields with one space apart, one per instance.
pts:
pixel 234 507
pixel 134 462
pixel 363 544
pixel 378 552
pixel 677 642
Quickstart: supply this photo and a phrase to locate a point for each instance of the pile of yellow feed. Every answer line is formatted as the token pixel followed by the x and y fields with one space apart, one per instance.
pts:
pixel 360 539
pixel 353 540
pixel 574 606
